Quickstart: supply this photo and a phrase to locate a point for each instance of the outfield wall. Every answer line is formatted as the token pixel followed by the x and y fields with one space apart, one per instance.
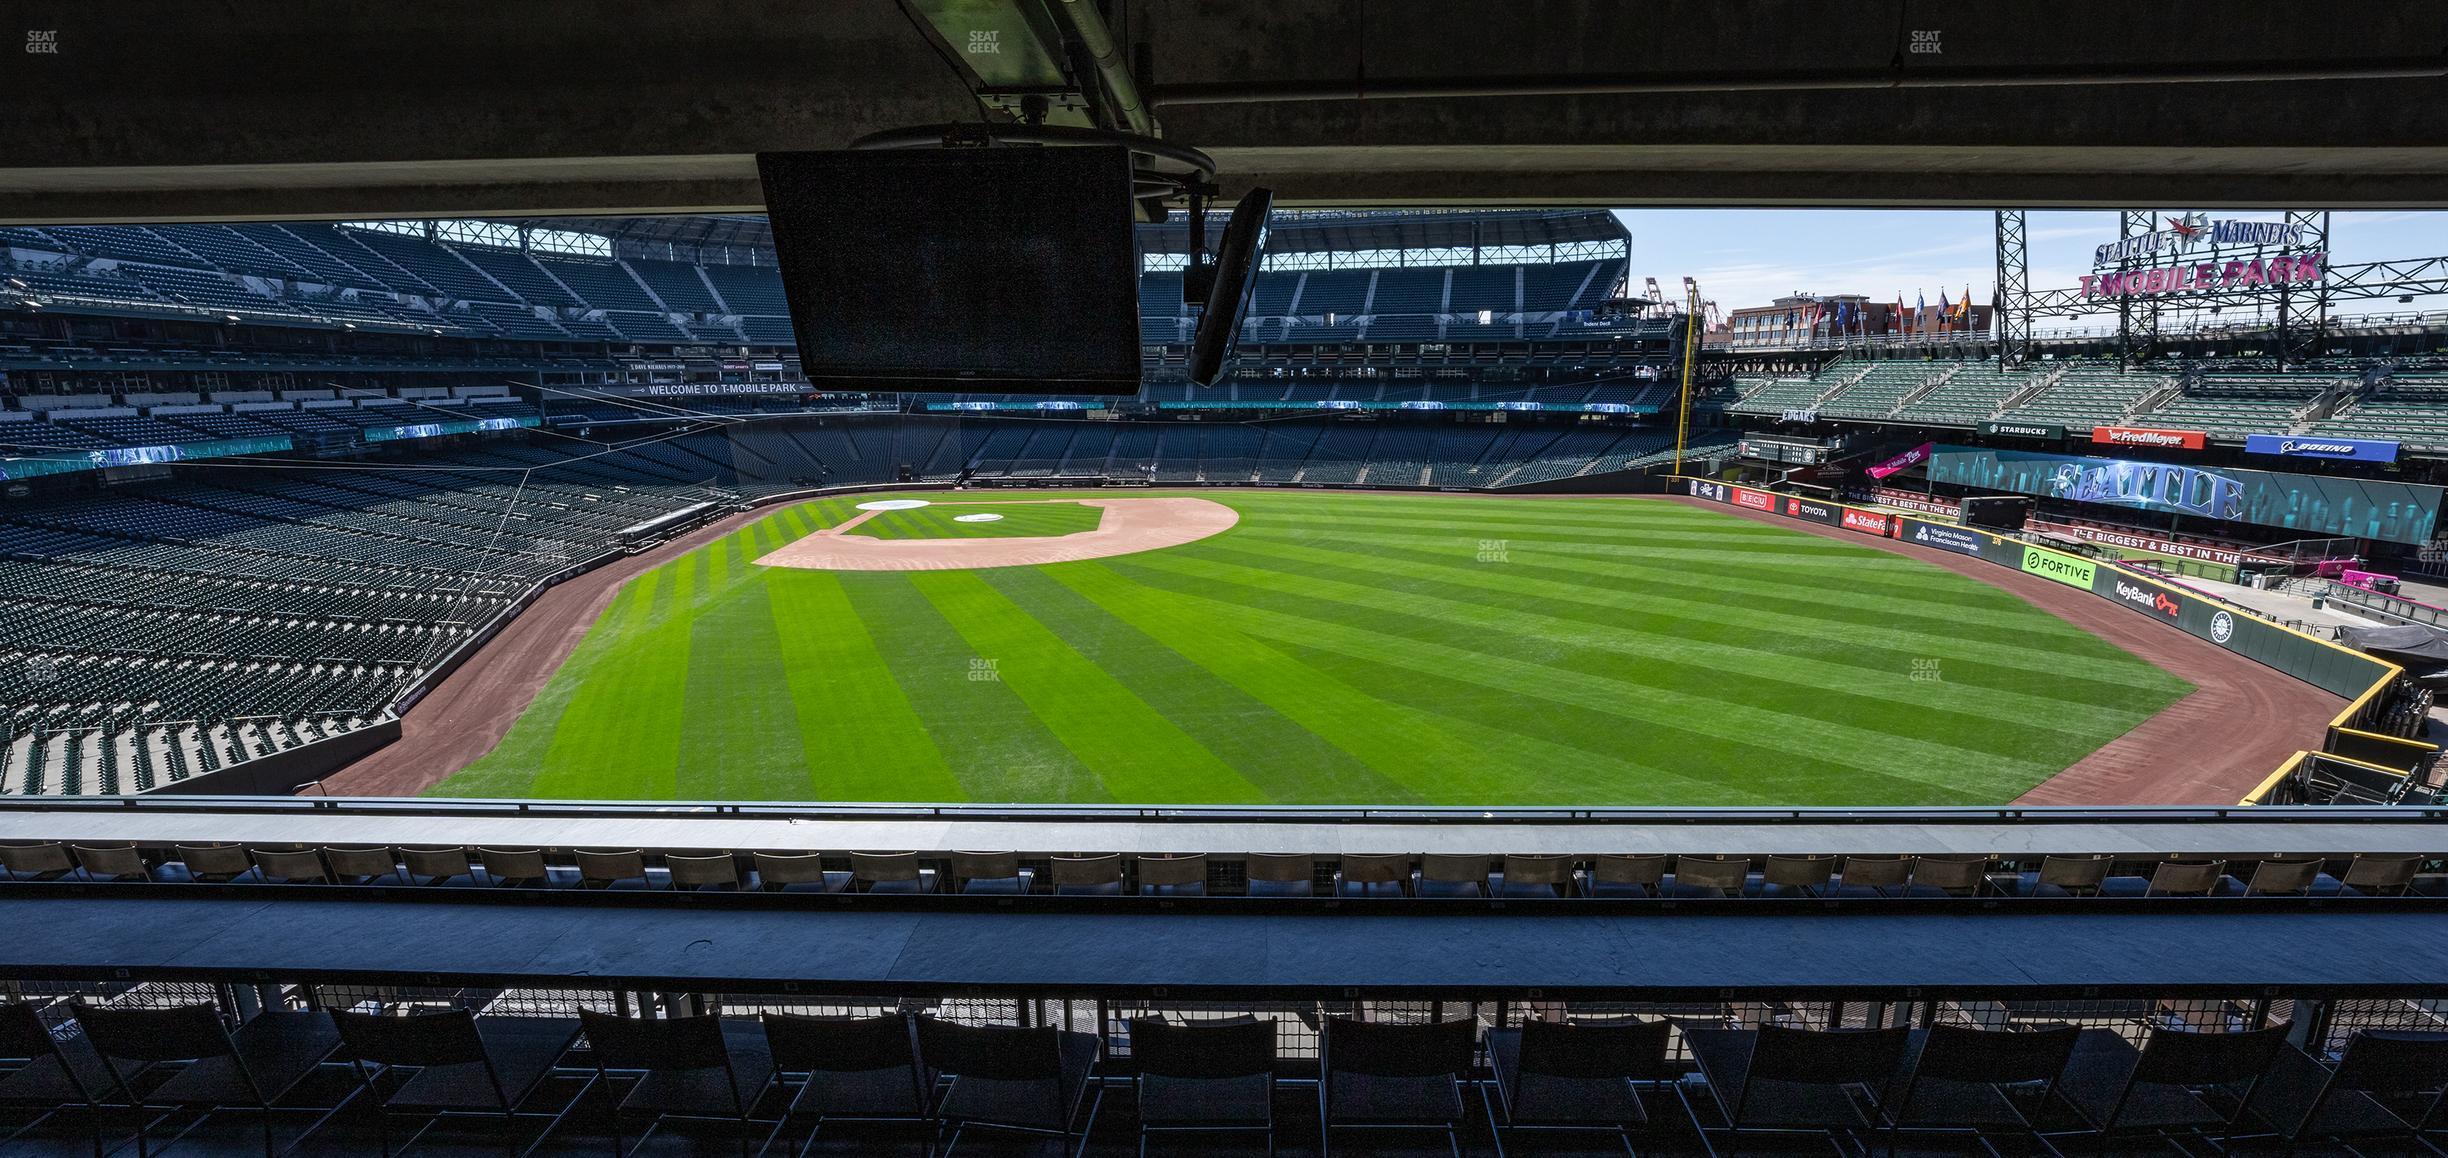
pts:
pixel 2341 671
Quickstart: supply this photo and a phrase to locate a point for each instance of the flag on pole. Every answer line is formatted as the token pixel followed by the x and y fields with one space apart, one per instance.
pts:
pixel 1920 311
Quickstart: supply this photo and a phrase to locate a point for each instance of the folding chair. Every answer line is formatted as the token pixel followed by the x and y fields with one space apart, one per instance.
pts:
pixel 1580 1078
pixel 990 872
pixel 1374 1076
pixel 859 1069
pixel 52 1074
pixel 1172 876
pixel 889 872
pixel 1782 1080
pixel 1370 874
pixel 2116 1089
pixel 112 862
pixel 1206 1077
pixel 1280 874
pixel 1095 875
pixel 2381 1071
pixel 460 1065
pixel 1444 874
pixel 687 1067
pixel 1027 1081
pixel 796 872
pixel 254 1067
pixel 1614 874
pixel 1955 1079
pixel 1540 877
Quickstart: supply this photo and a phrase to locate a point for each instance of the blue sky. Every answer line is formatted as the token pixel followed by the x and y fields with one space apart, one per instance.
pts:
pixel 1747 257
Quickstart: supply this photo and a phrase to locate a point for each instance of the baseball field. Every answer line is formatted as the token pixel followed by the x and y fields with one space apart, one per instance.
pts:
pixel 1321 648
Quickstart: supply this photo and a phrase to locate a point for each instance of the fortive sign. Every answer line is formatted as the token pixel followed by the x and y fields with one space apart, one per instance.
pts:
pixel 2149 437
pixel 2064 569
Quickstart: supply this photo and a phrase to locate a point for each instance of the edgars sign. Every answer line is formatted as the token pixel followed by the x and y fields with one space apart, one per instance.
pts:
pixel 2332 449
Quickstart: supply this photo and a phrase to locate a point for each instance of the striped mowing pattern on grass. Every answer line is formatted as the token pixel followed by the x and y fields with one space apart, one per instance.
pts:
pixel 1330 649
pixel 1020 519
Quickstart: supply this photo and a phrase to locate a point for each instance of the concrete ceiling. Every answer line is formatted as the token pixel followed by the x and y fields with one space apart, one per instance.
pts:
pixel 180 109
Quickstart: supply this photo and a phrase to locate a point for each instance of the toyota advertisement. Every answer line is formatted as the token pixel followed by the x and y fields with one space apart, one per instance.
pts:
pixel 1811 509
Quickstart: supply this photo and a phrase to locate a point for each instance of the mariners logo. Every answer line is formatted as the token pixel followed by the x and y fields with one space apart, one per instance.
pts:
pixel 2222 627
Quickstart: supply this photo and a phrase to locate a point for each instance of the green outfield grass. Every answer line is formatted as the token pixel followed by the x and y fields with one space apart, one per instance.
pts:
pixel 1332 648
pixel 1019 519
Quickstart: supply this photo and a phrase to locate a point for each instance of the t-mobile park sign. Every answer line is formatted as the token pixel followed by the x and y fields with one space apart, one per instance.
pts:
pixel 2196 231
pixel 2202 276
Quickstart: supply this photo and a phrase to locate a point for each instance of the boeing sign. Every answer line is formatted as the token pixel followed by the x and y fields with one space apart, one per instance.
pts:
pixel 2332 449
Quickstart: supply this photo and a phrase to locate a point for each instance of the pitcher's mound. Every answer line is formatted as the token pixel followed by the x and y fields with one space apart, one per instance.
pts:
pixel 1128 526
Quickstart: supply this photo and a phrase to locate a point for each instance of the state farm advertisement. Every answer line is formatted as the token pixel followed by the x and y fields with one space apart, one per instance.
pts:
pixel 1866 522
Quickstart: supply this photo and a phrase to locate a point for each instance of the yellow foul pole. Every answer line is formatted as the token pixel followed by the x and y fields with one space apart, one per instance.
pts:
pixel 1691 344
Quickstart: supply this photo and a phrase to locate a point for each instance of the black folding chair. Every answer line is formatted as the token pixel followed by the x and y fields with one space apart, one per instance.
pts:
pixel 2380 1073
pixel 461 1066
pixel 1374 1076
pixel 2115 1089
pixel 1022 1080
pixel 1779 1080
pixel 687 1067
pixel 51 1074
pixel 1957 1079
pixel 1574 1077
pixel 859 1069
pixel 1211 1077
pixel 254 1067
